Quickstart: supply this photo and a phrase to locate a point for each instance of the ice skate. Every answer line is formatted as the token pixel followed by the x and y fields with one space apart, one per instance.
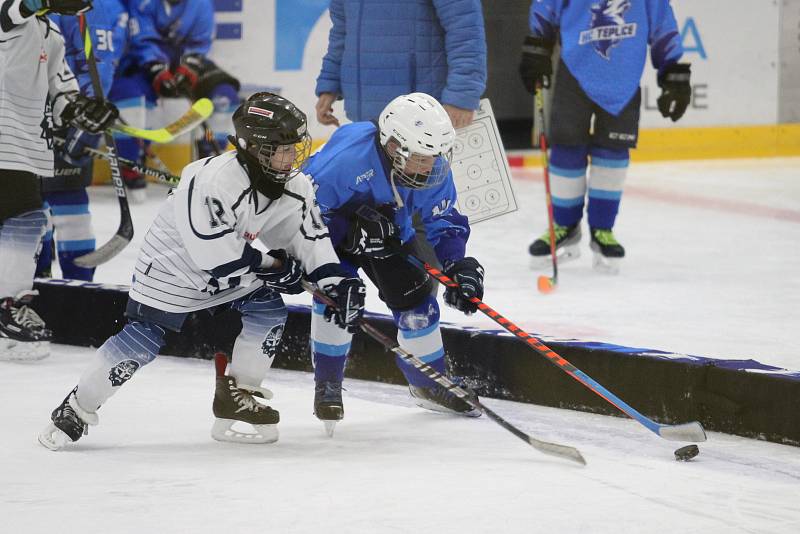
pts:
pixel 438 399
pixel 238 404
pixel 23 334
pixel 328 406
pixel 68 423
pixel 567 240
pixel 608 253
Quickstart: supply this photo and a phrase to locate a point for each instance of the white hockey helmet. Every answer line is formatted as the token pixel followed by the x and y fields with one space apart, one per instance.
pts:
pixel 418 137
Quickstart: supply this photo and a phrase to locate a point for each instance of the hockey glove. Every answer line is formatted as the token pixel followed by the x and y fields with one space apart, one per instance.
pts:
pixel 287 277
pixel 375 238
pixel 162 80
pixel 676 91
pixel 73 151
pixel 468 274
pixel 187 73
pixel 349 295
pixel 64 7
pixel 91 114
pixel 536 67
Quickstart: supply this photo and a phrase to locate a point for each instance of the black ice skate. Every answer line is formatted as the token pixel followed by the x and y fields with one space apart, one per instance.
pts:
pixel 438 399
pixel 328 406
pixel 607 251
pixel 567 240
pixel 23 334
pixel 68 423
pixel 233 403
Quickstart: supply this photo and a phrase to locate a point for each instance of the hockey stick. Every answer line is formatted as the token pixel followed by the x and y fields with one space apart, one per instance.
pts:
pixel 553 449
pixel 125 231
pixel 160 175
pixel 199 112
pixel 544 283
pixel 685 432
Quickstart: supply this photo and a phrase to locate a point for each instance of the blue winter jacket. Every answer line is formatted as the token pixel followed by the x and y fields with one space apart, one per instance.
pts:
pixel 380 49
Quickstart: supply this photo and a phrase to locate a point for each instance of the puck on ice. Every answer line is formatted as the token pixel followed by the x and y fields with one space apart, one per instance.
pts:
pixel 684 454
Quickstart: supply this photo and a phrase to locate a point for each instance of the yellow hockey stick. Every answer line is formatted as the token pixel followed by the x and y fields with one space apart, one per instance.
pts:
pixel 199 112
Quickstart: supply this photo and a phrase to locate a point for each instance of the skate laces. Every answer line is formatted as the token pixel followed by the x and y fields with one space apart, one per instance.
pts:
pixel 605 237
pixel 25 316
pixel 559 231
pixel 245 400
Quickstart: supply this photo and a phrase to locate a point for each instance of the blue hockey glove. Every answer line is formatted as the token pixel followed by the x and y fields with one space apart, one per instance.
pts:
pixel 73 151
pixel 468 274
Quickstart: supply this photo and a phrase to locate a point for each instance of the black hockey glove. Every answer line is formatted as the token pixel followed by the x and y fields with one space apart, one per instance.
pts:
pixel 76 141
pixel 676 91
pixel 468 274
pixel 349 295
pixel 162 80
pixel 375 238
pixel 64 7
pixel 187 72
pixel 91 114
pixel 287 277
pixel 536 67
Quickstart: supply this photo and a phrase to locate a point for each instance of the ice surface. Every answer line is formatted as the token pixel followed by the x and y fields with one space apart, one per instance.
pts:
pixel 151 466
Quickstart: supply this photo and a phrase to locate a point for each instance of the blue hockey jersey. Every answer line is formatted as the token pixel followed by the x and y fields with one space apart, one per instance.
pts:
pixel 604 42
pixel 108 22
pixel 352 170
pixel 161 32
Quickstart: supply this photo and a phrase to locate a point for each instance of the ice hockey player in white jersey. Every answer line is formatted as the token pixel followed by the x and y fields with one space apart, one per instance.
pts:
pixel 197 255
pixel 37 91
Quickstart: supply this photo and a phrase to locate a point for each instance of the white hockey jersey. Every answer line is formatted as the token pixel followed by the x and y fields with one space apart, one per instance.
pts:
pixel 32 66
pixel 197 252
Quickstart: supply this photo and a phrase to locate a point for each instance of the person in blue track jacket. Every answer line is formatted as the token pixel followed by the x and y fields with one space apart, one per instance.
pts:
pixel 65 193
pixel 370 178
pixel 167 58
pixel 380 49
pixel 595 110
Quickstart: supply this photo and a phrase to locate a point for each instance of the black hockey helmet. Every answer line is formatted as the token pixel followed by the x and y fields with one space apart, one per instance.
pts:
pixel 268 125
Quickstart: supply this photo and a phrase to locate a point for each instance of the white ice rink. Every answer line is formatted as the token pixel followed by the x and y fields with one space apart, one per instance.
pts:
pixel 712 270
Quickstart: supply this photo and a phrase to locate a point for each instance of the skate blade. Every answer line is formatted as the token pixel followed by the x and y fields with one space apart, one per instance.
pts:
pixel 564 254
pixel 53 438
pixel 606 265
pixel 23 351
pixel 330 427
pixel 223 431
pixel 436 407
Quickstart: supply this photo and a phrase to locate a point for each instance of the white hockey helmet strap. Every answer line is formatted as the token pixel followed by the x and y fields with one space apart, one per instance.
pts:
pixel 420 127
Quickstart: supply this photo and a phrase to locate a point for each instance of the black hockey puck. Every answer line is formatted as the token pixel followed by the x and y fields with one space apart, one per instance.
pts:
pixel 684 454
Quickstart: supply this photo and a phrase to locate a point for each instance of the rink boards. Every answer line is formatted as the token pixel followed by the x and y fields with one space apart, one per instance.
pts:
pixel 742 397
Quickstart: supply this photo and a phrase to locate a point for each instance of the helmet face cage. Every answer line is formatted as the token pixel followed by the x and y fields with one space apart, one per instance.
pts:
pixel 419 171
pixel 284 170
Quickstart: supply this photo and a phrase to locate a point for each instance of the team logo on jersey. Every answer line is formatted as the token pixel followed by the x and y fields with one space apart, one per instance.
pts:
pixel 250 236
pixel 260 111
pixel 122 372
pixel 42 57
pixel 608 27
pixel 272 339
pixel 365 177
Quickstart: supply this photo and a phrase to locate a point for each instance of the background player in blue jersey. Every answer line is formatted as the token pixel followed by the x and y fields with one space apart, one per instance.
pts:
pixel 169 42
pixel 595 108
pixel 399 167
pixel 65 193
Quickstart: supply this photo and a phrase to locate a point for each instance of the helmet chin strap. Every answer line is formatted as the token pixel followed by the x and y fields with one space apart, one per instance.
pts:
pixel 397 199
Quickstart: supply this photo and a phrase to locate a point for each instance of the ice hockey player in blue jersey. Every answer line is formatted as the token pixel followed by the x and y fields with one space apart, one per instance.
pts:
pixel 167 58
pixel 197 257
pixel 595 109
pixel 65 193
pixel 398 166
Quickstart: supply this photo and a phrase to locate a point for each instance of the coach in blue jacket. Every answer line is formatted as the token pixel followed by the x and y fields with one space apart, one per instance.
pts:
pixel 379 49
